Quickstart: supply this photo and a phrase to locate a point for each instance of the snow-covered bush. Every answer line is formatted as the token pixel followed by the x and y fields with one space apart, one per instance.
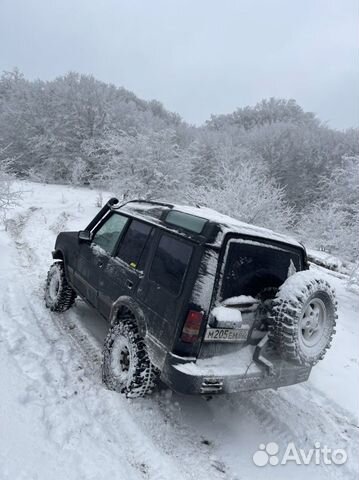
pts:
pixel 241 188
pixel 332 224
pixel 140 165
pixel 327 228
pixel 99 200
pixel 9 194
pixel 353 281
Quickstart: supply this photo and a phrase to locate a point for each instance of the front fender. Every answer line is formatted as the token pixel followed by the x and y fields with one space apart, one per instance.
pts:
pixel 58 255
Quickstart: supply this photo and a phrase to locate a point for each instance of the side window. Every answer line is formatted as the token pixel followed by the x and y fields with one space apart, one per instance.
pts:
pixel 133 244
pixel 170 263
pixel 108 234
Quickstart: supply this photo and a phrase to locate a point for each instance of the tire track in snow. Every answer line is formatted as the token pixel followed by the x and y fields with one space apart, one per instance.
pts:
pixel 72 405
pixel 197 463
pixel 292 414
pixel 44 372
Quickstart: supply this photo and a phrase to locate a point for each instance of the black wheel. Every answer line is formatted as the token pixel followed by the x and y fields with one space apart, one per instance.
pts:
pixel 59 296
pixel 126 365
pixel 303 318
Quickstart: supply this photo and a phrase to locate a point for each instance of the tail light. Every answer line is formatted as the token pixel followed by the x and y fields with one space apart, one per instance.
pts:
pixel 192 326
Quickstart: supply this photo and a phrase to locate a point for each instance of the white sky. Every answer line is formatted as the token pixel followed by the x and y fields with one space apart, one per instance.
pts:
pixel 196 56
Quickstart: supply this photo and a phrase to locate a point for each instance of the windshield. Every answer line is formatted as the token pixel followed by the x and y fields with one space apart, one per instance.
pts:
pixel 251 267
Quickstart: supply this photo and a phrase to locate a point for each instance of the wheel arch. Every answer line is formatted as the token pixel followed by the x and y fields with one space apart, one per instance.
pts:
pixel 125 305
pixel 58 255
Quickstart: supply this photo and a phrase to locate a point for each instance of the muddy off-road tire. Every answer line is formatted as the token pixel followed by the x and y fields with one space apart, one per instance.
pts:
pixel 303 319
pixel 59 296
pixel 126 365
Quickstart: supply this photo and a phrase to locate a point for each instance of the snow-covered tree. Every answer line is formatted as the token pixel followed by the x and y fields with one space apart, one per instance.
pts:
pixel 324 227
pixel 9 194
pixel 341 187
pixel 332 223
pixel 242 190
pixel 147 165
pixel 265 112
pixel 250 163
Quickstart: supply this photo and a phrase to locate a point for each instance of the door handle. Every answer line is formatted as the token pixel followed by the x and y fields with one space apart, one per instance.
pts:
pixel 100 264
pixel 129 284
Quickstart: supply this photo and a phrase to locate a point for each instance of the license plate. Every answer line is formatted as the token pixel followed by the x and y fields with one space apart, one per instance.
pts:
pixel 226 334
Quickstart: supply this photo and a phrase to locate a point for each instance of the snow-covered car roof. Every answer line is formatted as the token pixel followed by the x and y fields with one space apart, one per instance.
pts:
pixel 157 211
pixel 236 226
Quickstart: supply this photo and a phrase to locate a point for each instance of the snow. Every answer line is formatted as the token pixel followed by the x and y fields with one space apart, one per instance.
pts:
pixel 228 314
pixel 223 365
pixel 203 288
pixel 57 420
pixel 227 317
pixel 295 283
pixel 236 225
pixel 241 299
pixel 98 251
pixel 327 260
pixel 291 269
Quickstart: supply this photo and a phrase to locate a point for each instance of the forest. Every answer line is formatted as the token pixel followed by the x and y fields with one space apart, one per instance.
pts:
pixel 272 164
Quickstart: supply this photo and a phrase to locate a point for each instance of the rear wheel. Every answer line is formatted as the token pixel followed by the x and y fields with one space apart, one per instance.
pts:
pixel 59 296
pixel 127 367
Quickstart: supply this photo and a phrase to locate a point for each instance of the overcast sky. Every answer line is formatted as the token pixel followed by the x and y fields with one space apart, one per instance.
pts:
pixel 196 56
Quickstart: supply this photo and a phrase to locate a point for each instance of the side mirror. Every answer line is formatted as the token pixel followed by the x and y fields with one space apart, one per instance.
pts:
pixel 85 236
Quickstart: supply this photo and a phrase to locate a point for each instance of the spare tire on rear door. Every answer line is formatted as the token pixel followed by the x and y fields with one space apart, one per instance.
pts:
pixel 303 318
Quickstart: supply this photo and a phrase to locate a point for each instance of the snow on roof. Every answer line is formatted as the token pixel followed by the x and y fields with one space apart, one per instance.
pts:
pixel 228 224
pixel 236 225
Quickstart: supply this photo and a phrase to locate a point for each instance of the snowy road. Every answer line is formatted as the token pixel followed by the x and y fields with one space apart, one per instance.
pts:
pixel 57 421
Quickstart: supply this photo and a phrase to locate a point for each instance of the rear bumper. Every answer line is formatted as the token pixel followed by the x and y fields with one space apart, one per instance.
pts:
pixel 229 374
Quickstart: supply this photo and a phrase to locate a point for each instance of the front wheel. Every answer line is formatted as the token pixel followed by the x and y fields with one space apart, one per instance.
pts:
pixel 59 296
pixel 127 367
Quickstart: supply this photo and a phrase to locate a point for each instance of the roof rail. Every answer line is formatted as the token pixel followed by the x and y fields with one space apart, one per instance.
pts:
pixel 142 200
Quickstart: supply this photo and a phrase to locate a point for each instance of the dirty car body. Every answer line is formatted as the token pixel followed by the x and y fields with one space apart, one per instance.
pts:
pixel 199 285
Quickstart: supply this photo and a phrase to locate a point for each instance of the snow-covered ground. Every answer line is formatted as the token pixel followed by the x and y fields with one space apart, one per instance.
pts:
pixel 57 420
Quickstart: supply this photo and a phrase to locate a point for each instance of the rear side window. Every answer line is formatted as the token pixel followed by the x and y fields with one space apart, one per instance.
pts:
pixel 133 244
pixel 185 220
pixel 107 235
pixel 170 263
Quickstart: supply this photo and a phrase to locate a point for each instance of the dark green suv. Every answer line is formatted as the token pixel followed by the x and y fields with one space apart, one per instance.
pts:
pixel 204 302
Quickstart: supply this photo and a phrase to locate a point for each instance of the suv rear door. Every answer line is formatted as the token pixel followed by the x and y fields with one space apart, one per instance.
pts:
pixel 162 289
pixel 124 268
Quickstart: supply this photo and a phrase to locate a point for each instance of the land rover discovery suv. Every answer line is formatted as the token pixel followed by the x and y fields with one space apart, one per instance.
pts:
pixel 195 298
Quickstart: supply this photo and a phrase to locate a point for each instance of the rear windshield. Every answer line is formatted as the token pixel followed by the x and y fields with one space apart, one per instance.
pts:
pixel 252 268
